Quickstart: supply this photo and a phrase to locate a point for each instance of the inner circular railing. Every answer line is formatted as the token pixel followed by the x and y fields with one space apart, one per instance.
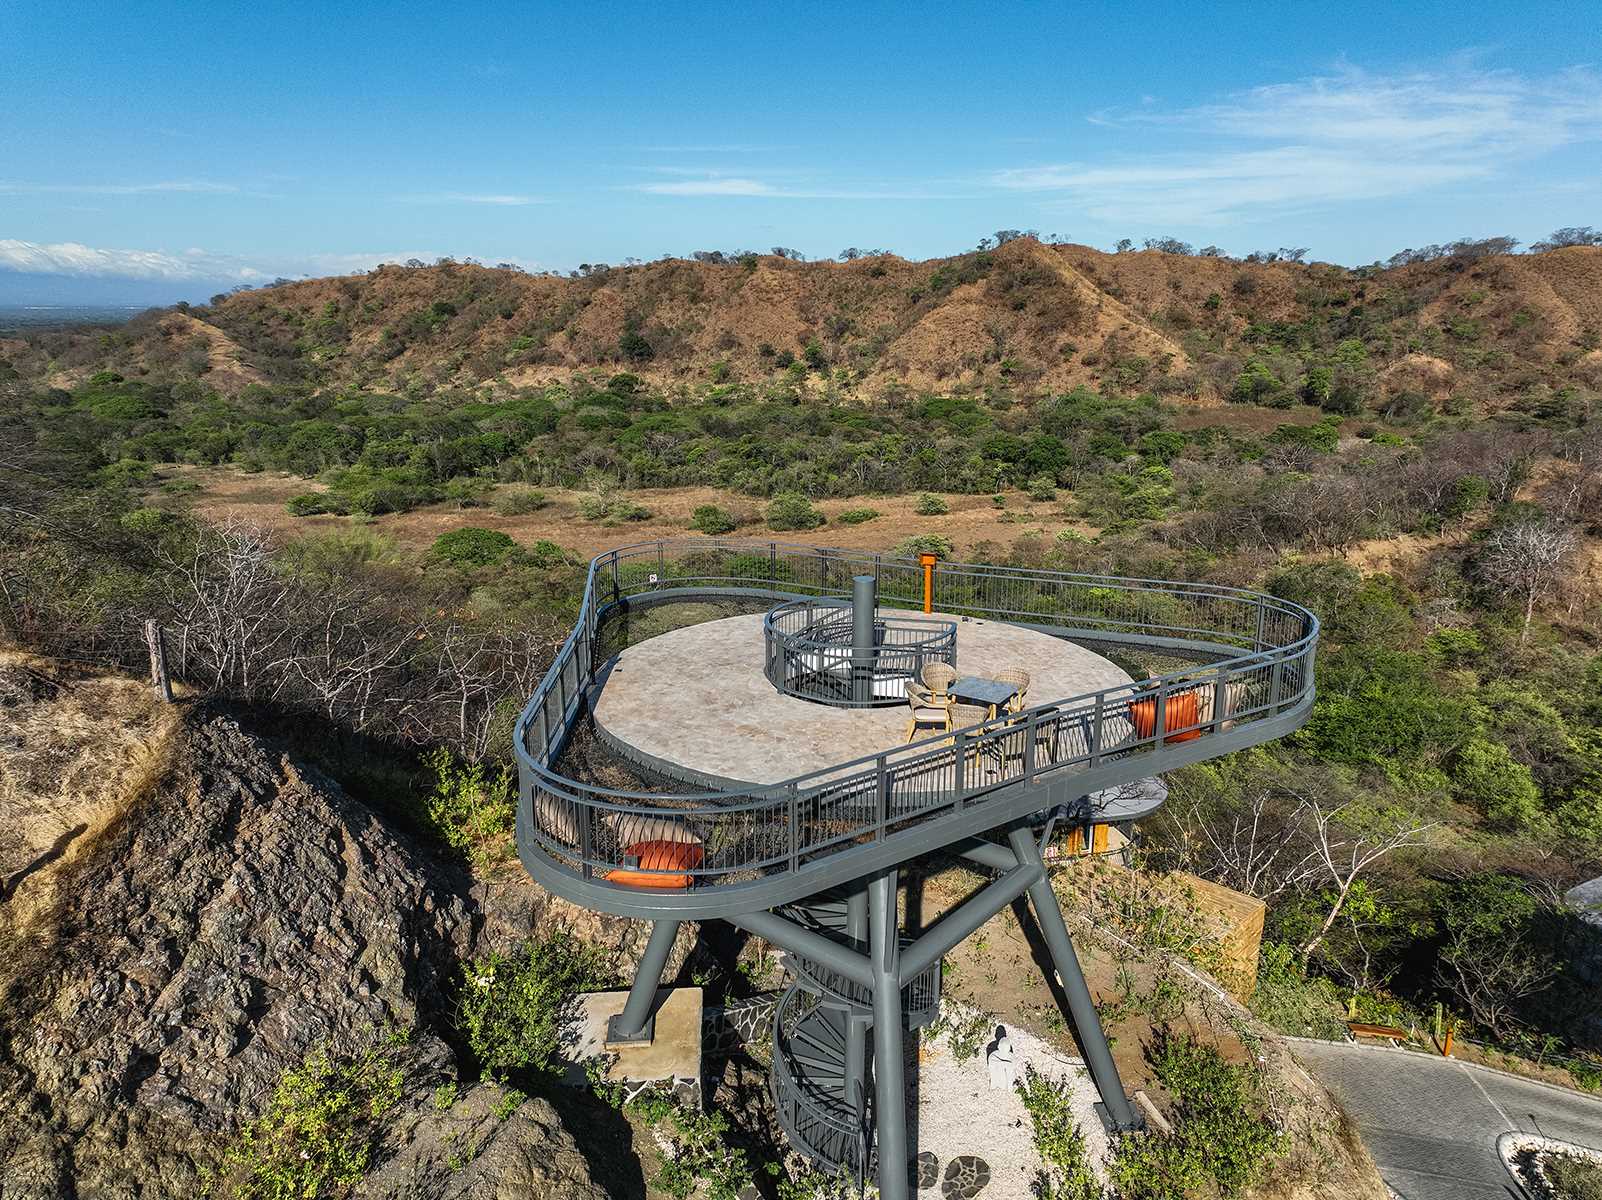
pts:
pixel 809 653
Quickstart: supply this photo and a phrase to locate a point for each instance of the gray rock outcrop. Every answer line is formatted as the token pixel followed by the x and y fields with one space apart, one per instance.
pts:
pixel 237 913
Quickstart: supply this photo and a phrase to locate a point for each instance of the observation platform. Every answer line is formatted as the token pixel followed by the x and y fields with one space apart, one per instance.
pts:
pixel 694 703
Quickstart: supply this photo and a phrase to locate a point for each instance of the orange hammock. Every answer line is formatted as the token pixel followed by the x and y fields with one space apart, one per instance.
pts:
pixel 661 865
pixel 1181 712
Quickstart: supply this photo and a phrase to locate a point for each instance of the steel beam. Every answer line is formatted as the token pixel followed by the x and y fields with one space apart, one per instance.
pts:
pixel 890 1091
pixel 1098 1055
pixel 856 1052
pixel 637 1023
pixel 806 943
pixel 957 924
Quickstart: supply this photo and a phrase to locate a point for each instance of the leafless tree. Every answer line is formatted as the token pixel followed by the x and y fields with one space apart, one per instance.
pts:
pixel 1490 975
pixel 1344 852
pixel 1528 559
pixel 1269 834
pixel 1255 847
pixel 231 610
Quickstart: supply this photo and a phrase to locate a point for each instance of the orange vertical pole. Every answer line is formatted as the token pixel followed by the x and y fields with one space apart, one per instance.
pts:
pixel 928 561
pixel 1446 1050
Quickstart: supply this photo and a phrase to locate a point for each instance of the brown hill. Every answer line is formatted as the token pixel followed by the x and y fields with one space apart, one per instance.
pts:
pixel 1028 316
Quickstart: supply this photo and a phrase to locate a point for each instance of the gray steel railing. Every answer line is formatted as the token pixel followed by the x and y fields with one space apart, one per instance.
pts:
pixel 919 998
pixel 807 653
pixel 819 1124
pixel 1262 648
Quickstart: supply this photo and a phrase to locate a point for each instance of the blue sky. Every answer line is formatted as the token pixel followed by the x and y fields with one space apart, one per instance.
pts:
pixel 170 149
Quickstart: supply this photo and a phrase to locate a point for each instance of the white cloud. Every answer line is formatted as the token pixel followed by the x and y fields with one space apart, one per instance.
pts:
pixel 714 184
pixel 73 258
pixel 711 187
pixel 117 189
pixel 1341 138
pixel 500 199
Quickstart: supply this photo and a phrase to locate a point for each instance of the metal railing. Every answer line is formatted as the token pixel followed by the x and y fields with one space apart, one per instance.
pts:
pixel 1261 650
pixel 920 996
pixel 807 653
pixel 820 1124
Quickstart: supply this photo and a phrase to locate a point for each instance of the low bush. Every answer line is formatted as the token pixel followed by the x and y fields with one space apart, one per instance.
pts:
pixel 1291 1000
pixel 710 519
pixel 699 1160
pixel 320 1129
pixel 1222 1132
pixel 924 543
pixel 472 810
pixel 468 491
pixel 931 505
pixel 512 1006
pixel 791 511
pixel 1067 1174
pixel 1042 487
pixel 857 516
pixel 1574 1178
pixel 611 508
pixel 470 547
pixel 308 504
pixel 520 501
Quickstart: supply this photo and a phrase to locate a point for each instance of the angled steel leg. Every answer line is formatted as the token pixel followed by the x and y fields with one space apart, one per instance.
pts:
pixel 637 1023
pixel 1098 1055
pixel 890 1093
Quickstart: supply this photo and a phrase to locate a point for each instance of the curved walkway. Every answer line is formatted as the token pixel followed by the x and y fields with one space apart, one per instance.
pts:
pixel 1431 1123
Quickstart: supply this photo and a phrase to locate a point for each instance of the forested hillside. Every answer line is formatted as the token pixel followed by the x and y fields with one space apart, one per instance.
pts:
pixel 363 499
pixel 1459 322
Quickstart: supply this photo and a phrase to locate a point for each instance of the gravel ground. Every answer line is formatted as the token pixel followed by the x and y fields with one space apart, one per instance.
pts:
pixel 960 1113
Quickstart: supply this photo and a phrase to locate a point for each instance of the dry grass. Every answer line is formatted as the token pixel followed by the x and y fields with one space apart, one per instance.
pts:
pixel 260 498
pixel 74 757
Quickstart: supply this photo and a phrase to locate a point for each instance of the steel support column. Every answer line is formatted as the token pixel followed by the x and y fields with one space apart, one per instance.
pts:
pixel 890 1093
pixel 856 1053
pixel 1098 1055
pixel 637 1023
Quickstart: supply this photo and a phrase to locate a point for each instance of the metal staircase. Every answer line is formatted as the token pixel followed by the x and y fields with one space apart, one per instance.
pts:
pixel 812 864
pixel 822 1029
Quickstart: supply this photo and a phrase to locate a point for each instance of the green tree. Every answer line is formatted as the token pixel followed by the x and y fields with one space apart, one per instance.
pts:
pixel 1486 776
pixel 471 547
pixel 792 511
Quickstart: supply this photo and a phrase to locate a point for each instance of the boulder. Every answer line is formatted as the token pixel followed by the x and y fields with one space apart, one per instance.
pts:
pixel 238 912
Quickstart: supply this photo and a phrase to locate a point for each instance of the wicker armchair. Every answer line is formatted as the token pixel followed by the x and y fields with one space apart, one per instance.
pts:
pixel 938 676
pixel 964 715
pixel 1018 678
pixel 982 757
pixel 928 710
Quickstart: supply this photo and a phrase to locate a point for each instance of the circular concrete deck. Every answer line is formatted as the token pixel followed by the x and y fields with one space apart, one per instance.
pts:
pixel 696 699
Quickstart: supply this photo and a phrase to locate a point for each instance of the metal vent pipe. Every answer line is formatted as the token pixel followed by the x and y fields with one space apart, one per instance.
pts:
pixel 864 603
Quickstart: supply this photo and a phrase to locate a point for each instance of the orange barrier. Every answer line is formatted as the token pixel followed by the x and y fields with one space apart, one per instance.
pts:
pixel 1181 712
pixel 661 865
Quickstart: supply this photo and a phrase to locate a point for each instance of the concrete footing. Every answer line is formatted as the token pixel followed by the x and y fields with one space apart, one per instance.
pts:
pixel 672 1057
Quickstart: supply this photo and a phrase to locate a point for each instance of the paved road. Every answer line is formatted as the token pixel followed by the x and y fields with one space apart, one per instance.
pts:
pixel 1432 1123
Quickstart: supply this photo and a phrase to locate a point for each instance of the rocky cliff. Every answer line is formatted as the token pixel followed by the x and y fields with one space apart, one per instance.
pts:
pixel 197 915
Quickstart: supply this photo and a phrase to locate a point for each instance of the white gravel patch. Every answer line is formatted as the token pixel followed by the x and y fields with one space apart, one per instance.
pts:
pixel 959 1112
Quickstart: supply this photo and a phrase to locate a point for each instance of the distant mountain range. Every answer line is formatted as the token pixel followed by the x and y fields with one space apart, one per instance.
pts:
pixel 1464 325
pixel 15 318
